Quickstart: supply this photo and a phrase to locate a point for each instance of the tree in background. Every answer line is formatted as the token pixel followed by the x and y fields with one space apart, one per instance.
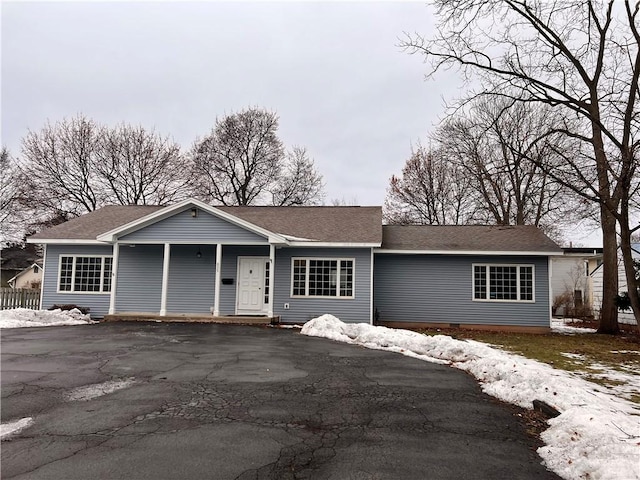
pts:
pixel 432 190
pixel 8 199
pixel 480 171
pixel 582 58
pixel 76 166
pixel 243 162
pixel 140 167
pixel 299 183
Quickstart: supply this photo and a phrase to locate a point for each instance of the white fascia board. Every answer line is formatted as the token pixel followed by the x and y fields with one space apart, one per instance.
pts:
pixel 465 252
pixel 65 241
pixel 167 212
pixel 334 244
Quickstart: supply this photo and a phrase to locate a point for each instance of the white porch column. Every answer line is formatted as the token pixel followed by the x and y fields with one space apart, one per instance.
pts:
pixel 216 299
pixel 114 278
pixel 272 268
pixel 165 279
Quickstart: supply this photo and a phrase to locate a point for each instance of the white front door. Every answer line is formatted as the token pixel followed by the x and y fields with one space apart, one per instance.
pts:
pixel 250 294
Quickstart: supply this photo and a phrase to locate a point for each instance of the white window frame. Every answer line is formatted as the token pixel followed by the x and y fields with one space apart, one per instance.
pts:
pixel 306 280
pixel 75 257
pixel 488 298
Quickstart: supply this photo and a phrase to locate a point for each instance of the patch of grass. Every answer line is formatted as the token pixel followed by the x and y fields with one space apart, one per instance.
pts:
pixel 590 352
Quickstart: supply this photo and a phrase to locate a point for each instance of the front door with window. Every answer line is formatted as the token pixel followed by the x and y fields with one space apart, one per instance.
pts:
pixel 252 293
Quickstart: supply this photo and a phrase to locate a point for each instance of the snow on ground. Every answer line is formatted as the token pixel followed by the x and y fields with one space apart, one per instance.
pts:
pixel 89 392
pixel 597 435
pixel 23 317
pixel 6 429
pixel 558 326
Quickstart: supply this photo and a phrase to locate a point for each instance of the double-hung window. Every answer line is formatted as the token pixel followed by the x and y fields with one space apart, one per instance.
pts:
pixel 322 277
pixel 84 274
pixel 503 283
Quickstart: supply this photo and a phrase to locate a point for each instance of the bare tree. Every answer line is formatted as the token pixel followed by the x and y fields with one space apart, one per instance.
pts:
pixel 58 168
pixel 299 183
pixel 139 167
pixel 242 161
pixel 582 57
pixel 432 190
pixel 10 231
pixel 496 144
pixel 76 166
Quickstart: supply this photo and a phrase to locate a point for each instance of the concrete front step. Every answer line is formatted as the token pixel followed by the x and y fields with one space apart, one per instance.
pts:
pixel 192 318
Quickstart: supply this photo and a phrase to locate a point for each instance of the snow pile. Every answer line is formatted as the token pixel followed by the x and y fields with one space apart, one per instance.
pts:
pixel 6 429
pixel 597 435
pixel 558 326
pixel 96 390
pixel 23 317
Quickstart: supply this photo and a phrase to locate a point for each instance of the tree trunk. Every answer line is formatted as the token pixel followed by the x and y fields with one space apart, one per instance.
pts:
pixel 609 310
pixel 627 258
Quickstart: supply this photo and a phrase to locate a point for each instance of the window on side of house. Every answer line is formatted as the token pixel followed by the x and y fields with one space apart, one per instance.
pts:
pixel 503 283
pixel 85 274
pixel 322 277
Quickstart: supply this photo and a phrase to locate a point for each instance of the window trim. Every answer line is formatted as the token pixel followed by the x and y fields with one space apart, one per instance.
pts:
pixel 337 296
pixel 73 274
pixel 518 286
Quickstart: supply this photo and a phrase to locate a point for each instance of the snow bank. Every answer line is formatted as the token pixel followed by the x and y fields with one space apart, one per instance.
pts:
pixel 558 326
pixel 6 429
pixel 89 392
pixel 597 435
pixel 23 317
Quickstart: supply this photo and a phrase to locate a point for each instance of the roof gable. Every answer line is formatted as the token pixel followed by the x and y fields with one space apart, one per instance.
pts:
pixel 286 225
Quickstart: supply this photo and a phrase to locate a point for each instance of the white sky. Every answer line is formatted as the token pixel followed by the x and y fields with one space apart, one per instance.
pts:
pixel 332 71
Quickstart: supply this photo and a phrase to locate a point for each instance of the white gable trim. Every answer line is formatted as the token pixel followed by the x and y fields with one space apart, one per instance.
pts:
pixel 159 215
pixel 64 241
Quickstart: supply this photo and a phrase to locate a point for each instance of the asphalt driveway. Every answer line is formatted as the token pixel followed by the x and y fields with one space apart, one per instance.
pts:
pixel 202 401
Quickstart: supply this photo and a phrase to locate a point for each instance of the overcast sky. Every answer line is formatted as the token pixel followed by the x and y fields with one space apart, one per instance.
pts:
pixel 332 71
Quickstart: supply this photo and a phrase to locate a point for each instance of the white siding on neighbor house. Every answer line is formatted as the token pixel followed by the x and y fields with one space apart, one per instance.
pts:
pixel 597 279
pixel 27 278
pixel 568 273
pixel 439 289
pixel 183 228
pixel 97 302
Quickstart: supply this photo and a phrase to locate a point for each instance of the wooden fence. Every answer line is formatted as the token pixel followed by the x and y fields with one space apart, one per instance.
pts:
pixel 19 298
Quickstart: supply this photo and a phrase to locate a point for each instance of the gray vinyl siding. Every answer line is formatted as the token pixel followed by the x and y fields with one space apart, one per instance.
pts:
pixel 191 279
pixel 97 302
pixel 353 310
pixel 139 285
pixel 438 289
pixel 184 228
pixel 229 269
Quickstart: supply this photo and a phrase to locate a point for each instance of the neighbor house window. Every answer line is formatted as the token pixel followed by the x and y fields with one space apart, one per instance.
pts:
pixel 322 277
pixel 85 274
pixel 503 283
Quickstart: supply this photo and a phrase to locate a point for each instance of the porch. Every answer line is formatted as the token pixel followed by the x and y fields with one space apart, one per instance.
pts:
pixel 193 318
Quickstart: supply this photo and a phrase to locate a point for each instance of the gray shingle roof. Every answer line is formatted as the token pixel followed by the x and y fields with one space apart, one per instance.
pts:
pixel 321 224
pixel 89 226
pixel 523 238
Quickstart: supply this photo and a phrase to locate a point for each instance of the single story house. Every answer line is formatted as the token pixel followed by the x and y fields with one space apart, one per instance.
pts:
pixel 295 263
pixel 14 259
pixel 30 277
pixel 572 290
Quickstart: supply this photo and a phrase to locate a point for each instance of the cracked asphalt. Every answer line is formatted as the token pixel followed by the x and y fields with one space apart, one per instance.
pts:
pixel 206 401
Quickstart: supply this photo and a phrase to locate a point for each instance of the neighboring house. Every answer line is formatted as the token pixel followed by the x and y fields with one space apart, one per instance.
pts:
pixel 296 263
pixel 30 277
pixel 597 277
pixel 571 282
pixel 15 259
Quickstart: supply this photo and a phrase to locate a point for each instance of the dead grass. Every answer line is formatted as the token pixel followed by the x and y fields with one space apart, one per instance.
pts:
pixel 587 353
